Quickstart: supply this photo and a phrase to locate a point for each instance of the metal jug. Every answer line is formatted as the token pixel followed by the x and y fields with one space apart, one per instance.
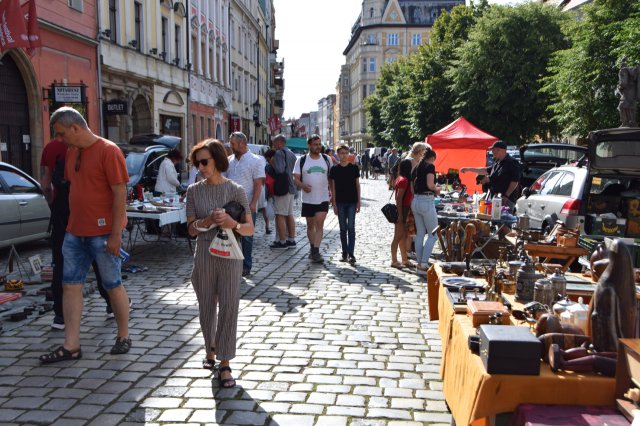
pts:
pixel 559 283
pixel 525 281
pixel 523 222
pixel 543 291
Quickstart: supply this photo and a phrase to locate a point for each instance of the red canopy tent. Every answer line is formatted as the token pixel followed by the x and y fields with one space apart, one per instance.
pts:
pixel 461 144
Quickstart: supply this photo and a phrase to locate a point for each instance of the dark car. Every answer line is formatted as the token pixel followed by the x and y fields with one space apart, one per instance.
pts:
pixel 24 212
pixel 538 158
pixel 144 154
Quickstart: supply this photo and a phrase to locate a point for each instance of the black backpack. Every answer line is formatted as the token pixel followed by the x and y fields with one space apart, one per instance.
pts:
pixel 281 180
pixel 304 158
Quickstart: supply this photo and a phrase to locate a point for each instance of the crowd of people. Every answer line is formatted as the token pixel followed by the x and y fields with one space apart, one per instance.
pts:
pixel 85 180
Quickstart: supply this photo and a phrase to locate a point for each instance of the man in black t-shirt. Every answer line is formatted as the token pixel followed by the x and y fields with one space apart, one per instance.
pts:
pixel 344 179
pixel 504 174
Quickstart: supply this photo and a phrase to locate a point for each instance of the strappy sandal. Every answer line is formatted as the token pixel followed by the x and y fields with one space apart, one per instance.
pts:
pixel 209 364
pixel 396 265
pixel 60 354
pixel 223 382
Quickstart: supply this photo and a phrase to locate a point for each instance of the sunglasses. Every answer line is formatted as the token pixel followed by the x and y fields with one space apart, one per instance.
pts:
pixel 78 161
pixel 204 162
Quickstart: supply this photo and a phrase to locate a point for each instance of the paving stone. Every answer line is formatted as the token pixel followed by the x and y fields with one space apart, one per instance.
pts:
pixel 293 420
pixel 175 415
pixel 331 421
pixel 346 411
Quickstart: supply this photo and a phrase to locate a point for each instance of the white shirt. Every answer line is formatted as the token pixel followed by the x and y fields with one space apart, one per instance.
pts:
pixel 245 171
pixel 167 177
pixel 316 174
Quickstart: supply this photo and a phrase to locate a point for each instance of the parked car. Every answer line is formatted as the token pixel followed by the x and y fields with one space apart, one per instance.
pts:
pixel 556 195
pixel 143 156
pixel 24 212
pixel 537 158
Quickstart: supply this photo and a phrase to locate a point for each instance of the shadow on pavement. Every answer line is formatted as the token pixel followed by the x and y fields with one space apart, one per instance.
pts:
pixel 282 300
pixel 243 409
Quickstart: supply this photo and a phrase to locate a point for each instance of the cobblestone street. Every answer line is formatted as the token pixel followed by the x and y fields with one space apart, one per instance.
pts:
pixel 317 345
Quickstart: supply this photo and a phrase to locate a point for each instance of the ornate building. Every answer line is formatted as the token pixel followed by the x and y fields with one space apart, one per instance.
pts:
pixel 384 31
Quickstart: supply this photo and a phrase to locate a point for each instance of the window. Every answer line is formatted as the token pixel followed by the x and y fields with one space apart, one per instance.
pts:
pixel 193 127
pixel 392 39
pixel 371 13
pixel 565 185
pixel 416 39
pixel 372 88
pixel 209 134
pixel 201 128
pixel 390 59
pixel 18 184
pixel 113 20
pixel 364 64
pixel 165 39
pixel 178 45
pixel 233 34
pixel 137 25
pixel 371 39
pixel 550 183
pixel 77 5
pixel 364 91
pixel 372 64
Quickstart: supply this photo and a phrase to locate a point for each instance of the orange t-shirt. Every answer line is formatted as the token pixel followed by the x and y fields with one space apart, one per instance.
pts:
pixel 100 166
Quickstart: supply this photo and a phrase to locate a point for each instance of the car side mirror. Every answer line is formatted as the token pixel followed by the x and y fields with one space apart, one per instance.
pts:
pixel 526 192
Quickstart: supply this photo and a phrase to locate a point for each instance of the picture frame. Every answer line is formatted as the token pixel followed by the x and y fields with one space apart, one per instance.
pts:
pixel 36 264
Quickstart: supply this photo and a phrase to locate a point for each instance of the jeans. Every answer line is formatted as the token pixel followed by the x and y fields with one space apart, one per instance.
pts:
pixel 347 221
pixel 247 248
pixel 424 212
pixel 80 252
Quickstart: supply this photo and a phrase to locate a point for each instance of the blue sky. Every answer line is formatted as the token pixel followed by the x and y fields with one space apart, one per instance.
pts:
pixel 313 34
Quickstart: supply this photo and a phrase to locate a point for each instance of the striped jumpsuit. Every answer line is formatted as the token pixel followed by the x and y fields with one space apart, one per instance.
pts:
pixel 216 281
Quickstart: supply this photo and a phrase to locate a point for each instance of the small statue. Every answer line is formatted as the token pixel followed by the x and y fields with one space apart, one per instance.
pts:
pixel 581 360
pixel 613 314
pixel 628 91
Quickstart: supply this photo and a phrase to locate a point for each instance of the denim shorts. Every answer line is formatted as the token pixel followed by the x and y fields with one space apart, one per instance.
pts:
pixel 79 252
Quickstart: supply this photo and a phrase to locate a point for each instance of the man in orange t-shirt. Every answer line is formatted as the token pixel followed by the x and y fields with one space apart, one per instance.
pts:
pixel 97 173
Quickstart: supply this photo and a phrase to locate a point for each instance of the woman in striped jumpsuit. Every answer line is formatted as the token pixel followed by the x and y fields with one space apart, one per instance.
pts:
pixel 216 280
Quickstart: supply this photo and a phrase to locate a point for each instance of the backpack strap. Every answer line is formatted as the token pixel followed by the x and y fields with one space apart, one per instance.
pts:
pixel 302 160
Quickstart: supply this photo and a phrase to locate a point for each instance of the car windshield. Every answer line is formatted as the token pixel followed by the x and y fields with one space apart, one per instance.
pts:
pixel 135 161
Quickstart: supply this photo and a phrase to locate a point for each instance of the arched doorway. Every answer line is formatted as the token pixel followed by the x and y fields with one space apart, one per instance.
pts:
pixel 15 139
pixel 142 122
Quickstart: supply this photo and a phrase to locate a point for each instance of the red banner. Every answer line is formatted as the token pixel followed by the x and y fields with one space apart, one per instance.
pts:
pixel 274 123
pixel 18 25
pixel 31 18
pixel 235 124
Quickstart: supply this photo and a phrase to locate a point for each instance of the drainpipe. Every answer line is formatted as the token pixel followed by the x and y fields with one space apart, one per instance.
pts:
pixel 99 67
pixel 185 149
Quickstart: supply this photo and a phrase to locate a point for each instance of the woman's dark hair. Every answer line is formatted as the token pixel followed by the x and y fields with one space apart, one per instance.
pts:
pixel 216 149
pixel 174 154
pixel 429 153
pixel 404 169
pixel 269 154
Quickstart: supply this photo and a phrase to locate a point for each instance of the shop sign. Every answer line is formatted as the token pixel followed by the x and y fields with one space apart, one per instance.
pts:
pixel 115 107
pixel 64 94
pixel 235 124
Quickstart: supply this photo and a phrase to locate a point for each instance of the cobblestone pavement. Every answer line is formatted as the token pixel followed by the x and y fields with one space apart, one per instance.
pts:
pixel 317 345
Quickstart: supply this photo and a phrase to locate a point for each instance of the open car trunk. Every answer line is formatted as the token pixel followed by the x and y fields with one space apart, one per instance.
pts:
pixel 539 157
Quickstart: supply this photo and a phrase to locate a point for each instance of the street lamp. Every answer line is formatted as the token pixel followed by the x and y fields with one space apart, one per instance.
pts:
pixel 256 117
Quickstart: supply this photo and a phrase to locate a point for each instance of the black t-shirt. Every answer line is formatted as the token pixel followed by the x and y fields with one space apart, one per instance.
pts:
pixel 419 177
pixel 501 174
pixel 345 178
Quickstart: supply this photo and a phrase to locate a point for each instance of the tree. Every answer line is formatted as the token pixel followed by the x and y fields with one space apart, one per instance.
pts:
pixel 497 78
pixel 583 77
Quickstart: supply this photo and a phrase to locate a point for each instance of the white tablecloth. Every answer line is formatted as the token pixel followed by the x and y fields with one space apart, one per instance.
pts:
pixel 165 218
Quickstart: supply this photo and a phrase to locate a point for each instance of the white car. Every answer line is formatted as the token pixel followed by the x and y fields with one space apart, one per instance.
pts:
pixel 555 196
pixel 24 212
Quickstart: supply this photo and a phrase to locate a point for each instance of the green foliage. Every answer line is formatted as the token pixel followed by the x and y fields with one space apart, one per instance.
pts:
pixel 496 80
pixel 584 77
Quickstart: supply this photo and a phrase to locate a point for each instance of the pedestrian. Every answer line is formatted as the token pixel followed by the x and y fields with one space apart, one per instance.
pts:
pixel 351 157
pixel 376 166
pixel 247 170
pixel 97 174
pixel 423 180
pixel 283 163
pixel 345 187
pixel 216 280
pixel 404 196
pixel 365 160
pixel 311 174
pixel 504 174
pixel 167 181
pixel 392 159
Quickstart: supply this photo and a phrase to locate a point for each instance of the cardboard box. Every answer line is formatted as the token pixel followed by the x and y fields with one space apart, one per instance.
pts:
pixel 609 227
pixel 509 350
pixel 633 227
pixel 598 204
pixel 632 207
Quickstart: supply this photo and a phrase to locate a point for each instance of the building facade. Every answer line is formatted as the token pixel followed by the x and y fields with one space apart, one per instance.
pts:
pixel 144 73
pixel 34 84
pixel 325 120
pixel 209 79
pixel 384 31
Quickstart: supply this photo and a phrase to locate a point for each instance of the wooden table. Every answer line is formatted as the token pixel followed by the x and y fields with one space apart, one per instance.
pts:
pixel 548 252
pixel 473 395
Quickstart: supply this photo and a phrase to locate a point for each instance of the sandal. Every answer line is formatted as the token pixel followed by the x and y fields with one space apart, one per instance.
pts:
pixel 60 354
pixel 209 364
pixel 396 265
pixel 408 264
pixel 223 382
pixel 122 346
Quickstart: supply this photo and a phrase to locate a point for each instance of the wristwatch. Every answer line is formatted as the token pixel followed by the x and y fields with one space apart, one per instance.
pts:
pixel 237 228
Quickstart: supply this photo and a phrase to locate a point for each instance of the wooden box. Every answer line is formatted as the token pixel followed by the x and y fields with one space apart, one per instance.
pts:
pixel 628 376
pixel 509 350
pixel 480 311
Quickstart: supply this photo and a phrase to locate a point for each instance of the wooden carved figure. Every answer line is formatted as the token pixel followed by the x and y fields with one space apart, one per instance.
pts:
pixel 613 314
